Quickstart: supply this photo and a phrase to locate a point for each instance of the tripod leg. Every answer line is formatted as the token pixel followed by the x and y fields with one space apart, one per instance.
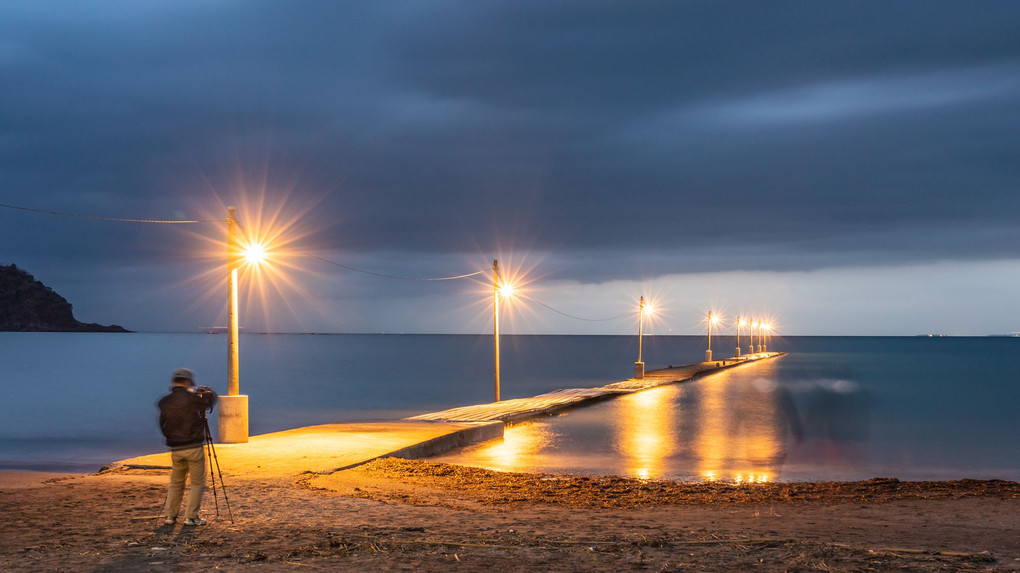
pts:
pixel 216 461
pixel 162 507
pixel 212 476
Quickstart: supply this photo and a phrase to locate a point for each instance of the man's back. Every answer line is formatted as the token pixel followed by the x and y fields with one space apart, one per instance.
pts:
pixel 180 419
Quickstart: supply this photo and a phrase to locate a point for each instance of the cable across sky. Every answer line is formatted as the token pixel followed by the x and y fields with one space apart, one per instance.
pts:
pixel 384 275
pixel 119 219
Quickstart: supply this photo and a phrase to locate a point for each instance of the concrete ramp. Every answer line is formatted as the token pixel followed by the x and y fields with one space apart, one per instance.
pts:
pixel 331 447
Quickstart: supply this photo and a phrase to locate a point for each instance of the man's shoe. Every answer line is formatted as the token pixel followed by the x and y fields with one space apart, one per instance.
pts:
pixel 195 521
pixel 170 520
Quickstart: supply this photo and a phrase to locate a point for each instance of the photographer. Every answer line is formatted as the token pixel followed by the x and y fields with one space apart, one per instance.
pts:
pixel 182 421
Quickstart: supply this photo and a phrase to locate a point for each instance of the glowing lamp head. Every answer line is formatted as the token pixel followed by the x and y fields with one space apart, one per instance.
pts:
pixel 648 309
pixel 254 254
pixel 741 322
pixel 713 318
pixel 506 290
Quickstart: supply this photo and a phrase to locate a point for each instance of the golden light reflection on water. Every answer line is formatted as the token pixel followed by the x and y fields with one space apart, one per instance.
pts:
pixel 710 443
pixel 516 451
pixel 645 433
pixel 741 434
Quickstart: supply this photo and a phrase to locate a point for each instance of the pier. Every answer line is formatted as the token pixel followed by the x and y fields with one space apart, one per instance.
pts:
pixel 327 448
pixel 520 409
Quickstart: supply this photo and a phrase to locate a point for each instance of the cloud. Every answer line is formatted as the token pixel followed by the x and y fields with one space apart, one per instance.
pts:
pixel 855 100
pixel 608 139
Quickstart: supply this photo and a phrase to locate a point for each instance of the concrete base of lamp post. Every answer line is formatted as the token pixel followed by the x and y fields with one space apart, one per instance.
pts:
pixel 708 356
pixel 738 352
pixel 233 419
pixel 639 370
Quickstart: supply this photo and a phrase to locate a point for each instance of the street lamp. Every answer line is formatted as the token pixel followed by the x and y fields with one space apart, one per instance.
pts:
pixel 233 411
pixel 507 290
pixel 740 324
pixel 711 320
pixel 643 309
pixel 753 326
pixel 765 341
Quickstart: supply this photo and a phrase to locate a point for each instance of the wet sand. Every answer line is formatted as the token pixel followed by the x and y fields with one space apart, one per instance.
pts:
pixel 397 515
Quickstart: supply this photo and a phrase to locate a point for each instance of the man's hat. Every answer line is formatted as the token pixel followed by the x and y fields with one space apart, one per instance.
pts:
pixel 183 374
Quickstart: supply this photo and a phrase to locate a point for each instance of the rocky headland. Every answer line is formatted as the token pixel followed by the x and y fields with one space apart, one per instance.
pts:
pixel 27 305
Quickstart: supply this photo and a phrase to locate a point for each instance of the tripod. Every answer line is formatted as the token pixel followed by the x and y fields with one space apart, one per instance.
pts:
pixel 212 454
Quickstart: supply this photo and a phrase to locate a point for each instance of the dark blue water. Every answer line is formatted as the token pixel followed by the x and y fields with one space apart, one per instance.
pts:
pixel 910 407
pixel 77 401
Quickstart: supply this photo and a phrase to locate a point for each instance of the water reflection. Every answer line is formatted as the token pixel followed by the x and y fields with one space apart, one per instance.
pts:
pixel 741 429
pixel 837 416
pixel 644 433
pixel 706 426
pixel 739 425
pixel 516 451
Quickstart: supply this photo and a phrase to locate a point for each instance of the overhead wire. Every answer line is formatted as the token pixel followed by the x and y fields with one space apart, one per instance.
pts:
pixel 464 276
pixel 538 302
pixel 120 219
pixel 388 276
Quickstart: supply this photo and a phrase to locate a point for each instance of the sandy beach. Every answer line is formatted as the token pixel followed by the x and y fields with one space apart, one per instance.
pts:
pixel 396 515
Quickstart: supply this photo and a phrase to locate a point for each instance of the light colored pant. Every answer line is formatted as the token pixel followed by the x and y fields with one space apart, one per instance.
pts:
pixel 190 461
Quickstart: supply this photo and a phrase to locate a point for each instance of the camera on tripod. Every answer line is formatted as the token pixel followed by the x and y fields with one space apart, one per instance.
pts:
pixel 207 398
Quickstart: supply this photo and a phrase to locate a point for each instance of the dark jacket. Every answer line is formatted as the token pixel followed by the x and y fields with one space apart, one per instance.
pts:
pixel 180 418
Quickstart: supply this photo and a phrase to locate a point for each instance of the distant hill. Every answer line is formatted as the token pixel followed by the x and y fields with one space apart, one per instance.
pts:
pixel 27 305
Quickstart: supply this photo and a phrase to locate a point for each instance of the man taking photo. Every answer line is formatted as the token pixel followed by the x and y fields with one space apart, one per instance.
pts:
pixel 183 423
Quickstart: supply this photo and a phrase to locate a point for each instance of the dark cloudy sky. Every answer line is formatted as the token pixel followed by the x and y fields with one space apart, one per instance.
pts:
pixel 845 167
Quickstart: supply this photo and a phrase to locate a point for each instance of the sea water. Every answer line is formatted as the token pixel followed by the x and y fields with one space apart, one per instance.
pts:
pixel 832 408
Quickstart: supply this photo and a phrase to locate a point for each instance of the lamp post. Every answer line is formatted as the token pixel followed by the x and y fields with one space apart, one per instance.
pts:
pixel 750 331
pixel 233 410
pixel 765 340
pixel 495 319
pixel 639 366
pixel 740 323
pixel 499 287
pixel 708 352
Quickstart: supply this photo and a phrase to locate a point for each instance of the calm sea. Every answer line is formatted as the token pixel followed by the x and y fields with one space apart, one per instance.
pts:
pixel 833 408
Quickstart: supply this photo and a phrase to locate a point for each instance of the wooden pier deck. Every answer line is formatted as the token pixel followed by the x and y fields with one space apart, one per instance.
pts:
pixel 519 409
